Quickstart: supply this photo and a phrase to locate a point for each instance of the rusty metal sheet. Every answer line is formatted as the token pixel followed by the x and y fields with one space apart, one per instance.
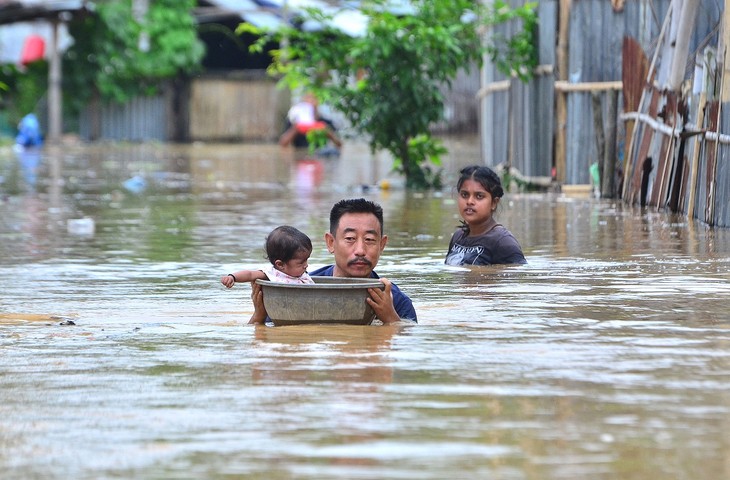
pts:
pixel 634 72
pixel 645 137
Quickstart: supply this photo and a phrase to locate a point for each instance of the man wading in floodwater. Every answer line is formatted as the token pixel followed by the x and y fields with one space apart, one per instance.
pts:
pixel 356 239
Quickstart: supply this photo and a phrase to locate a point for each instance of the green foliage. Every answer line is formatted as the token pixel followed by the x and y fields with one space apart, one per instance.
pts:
pixel 427 152
pixel 26 88
pixel 316 139
pixel 124 56
pixel 388 82
pixel 516 54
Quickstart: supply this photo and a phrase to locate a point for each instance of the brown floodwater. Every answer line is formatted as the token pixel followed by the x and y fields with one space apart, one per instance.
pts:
pixel 121 355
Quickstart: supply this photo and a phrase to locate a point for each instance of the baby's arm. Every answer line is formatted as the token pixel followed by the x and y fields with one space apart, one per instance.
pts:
pixel 242 276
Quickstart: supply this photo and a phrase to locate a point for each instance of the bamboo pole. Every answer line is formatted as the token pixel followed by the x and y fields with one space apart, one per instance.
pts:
pixel 667 130
pixel 500 86
pixel 559 85
pixel 564 86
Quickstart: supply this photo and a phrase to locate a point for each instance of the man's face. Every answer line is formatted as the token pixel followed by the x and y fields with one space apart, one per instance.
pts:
pixel 356 244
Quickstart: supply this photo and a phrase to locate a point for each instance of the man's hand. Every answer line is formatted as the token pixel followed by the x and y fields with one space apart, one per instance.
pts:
pixel 257 297
pixel 382 302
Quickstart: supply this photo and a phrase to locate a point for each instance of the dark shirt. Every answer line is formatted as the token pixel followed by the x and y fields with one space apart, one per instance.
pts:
pixel 403 305
pixel 497 246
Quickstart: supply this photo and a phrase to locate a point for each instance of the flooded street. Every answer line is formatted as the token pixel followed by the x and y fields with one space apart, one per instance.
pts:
pixel 121 355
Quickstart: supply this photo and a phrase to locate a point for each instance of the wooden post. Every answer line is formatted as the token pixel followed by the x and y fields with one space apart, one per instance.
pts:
pixel 561 101
pixel 54 88
pixel 608 173
pixel 511 128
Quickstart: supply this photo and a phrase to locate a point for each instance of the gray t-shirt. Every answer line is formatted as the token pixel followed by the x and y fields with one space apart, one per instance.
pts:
pixel 497 246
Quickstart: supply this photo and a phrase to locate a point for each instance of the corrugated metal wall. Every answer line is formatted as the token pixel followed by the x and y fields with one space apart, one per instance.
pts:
pixel 141 119
pixel 596 38
pixel 235 108
pixel 244 107
pixel 596 32
pixel 461 109
pixel 678 155
pixel 698 174
pixel 518 119
pixel 722 177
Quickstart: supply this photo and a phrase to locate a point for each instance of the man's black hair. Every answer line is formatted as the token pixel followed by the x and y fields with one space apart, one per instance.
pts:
pixel 354 205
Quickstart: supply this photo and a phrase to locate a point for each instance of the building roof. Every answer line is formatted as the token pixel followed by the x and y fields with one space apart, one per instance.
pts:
pixel 248 10
pixel 14 11
pixel 262 13
pixel 346 14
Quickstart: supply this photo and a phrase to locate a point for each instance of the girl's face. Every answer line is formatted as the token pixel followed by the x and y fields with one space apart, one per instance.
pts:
pixel 476 205
pixel 297 266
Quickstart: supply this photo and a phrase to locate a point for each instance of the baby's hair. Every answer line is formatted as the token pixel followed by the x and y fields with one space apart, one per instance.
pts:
pixel 485 176
pixel 284 242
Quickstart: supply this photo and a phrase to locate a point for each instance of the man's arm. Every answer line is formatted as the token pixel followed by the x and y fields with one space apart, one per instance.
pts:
pixel 257 296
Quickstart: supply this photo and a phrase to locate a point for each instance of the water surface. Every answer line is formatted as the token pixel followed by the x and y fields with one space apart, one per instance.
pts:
pixel 121 355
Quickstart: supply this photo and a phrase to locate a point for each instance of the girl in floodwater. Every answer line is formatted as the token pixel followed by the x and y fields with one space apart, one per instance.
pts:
pixel 481 240
pixel 288 250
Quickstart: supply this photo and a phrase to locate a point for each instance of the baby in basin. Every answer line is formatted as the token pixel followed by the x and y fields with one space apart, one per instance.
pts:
pixel 288 250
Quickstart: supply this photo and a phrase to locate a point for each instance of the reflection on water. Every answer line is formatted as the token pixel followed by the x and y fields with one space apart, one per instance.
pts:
pixel 606 356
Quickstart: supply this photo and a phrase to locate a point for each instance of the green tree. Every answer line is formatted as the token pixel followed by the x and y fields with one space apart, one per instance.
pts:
pixel 388 82
pixel 24 88
pixel 125 53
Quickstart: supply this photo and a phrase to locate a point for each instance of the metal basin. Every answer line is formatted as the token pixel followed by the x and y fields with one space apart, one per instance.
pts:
pixel 335 300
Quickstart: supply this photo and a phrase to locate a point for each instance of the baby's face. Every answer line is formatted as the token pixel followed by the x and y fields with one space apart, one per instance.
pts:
pixel 297 266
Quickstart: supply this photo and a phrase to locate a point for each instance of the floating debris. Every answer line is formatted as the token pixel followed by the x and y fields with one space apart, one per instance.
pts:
pixel 81 226
pixel 136 184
